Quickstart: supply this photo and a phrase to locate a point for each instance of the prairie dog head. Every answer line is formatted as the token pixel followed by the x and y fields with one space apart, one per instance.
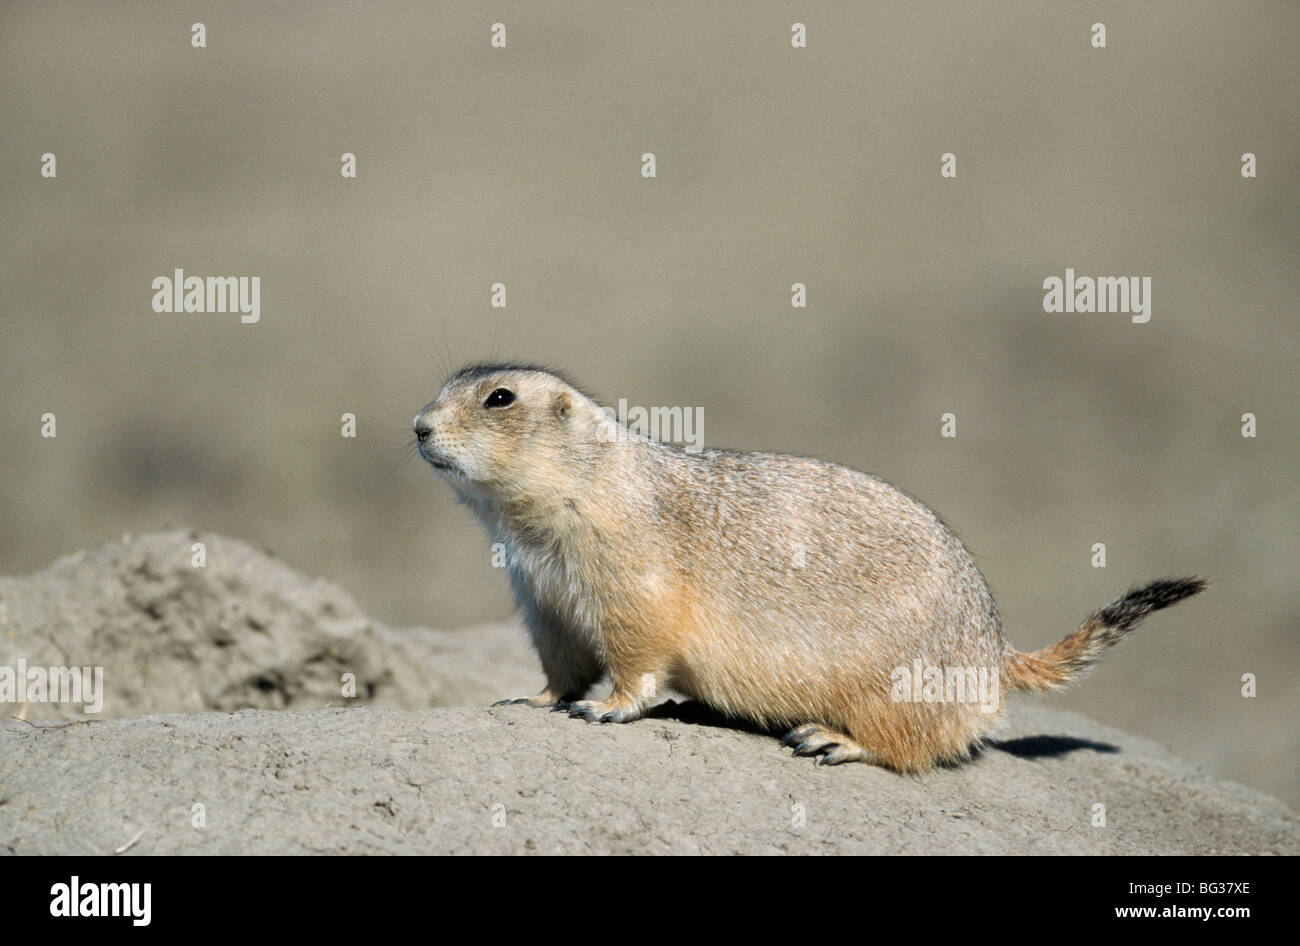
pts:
pixel 509 433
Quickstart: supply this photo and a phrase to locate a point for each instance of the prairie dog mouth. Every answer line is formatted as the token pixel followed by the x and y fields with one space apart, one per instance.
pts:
pixel 437 460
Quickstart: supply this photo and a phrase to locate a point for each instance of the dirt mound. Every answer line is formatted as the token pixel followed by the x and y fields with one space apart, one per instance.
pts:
pixel 298 767
pixel 242 631
pixel 514 780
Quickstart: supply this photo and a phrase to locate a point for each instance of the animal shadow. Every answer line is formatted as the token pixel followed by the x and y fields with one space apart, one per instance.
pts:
pixel 1043 747
pixel 697 714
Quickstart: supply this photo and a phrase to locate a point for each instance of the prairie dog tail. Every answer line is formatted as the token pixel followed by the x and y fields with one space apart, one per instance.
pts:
pixel 1052 666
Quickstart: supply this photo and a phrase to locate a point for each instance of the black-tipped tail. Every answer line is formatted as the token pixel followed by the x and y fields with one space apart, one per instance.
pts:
pixel 1050 667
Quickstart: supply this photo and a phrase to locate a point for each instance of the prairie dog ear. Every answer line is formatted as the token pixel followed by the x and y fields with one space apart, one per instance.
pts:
pixel 563 404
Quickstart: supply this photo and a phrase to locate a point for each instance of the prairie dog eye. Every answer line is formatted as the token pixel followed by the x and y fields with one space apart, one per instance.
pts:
pixel 501 397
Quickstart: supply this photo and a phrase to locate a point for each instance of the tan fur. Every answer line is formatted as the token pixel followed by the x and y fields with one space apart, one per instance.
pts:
pixel 783 590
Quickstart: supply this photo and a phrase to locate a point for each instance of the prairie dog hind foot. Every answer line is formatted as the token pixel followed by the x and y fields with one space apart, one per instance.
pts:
pixel 831 747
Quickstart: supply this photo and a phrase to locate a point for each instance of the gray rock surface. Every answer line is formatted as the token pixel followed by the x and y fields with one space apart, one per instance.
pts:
pixel 245 658
pixel 521 780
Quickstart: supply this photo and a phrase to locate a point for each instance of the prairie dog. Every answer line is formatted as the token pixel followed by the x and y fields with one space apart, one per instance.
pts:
pixel 784 590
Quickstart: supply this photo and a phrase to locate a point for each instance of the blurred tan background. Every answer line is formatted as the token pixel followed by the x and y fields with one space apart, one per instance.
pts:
pixel 775 165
